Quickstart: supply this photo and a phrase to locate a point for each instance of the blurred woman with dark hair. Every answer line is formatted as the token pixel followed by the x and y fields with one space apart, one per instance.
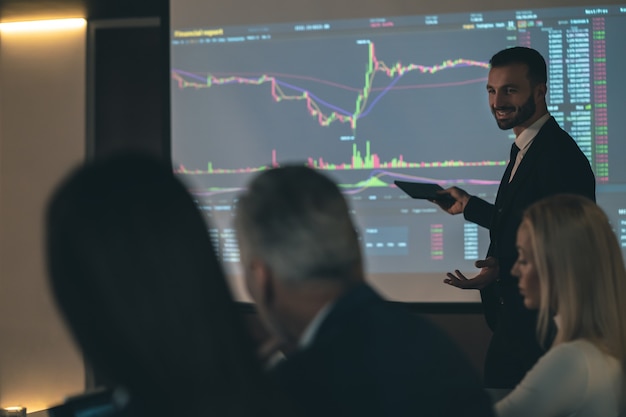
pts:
pixel 134 272
pixel 570 268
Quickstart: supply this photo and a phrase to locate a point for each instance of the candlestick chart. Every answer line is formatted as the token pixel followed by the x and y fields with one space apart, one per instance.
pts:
pixel 365 101
pixel 328 105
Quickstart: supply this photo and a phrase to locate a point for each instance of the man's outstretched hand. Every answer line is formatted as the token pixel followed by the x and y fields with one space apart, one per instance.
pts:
pixel 488 273
pixel 461 197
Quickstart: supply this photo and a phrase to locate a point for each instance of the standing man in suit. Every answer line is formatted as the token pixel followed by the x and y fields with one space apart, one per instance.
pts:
pixel 355 354
pixel 544 160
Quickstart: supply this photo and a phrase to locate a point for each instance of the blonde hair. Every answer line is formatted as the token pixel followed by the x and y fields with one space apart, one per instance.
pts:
pixel 581 272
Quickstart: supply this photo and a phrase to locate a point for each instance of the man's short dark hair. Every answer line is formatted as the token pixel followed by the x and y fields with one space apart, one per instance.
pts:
pixel 537 72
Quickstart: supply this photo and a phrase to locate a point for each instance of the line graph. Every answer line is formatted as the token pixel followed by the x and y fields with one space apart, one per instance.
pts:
pixel 326 113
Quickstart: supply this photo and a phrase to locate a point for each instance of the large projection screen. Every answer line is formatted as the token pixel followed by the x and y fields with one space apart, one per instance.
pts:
pixel 375 91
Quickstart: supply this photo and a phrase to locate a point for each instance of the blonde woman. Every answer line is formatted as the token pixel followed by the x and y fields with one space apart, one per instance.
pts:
pixel 570 268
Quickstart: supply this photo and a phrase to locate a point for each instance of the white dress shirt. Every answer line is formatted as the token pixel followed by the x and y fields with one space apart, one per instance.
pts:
pixel 309 333
pixel 525 139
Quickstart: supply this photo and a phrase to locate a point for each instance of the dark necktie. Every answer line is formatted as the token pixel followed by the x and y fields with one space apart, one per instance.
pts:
pixel 503 188
pixel 507 173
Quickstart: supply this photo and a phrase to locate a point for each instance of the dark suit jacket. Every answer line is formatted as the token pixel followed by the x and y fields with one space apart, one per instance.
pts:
pixel 553 164
pixel 371 358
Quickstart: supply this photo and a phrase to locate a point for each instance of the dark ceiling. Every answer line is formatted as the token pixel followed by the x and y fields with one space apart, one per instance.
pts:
pixel 14 10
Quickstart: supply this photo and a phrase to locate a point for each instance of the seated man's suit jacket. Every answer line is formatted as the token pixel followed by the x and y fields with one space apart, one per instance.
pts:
pixel 372 358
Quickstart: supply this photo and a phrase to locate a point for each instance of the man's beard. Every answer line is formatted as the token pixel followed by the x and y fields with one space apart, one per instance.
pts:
pixel 522 114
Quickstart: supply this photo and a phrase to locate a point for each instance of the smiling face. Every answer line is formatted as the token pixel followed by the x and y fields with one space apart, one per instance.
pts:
pixel 514 101
pixel 525 268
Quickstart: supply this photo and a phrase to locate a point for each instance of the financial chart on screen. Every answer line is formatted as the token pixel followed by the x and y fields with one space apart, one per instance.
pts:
pixel 374 100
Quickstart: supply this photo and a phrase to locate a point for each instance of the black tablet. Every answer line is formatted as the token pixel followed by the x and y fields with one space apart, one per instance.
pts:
pixel 423 190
